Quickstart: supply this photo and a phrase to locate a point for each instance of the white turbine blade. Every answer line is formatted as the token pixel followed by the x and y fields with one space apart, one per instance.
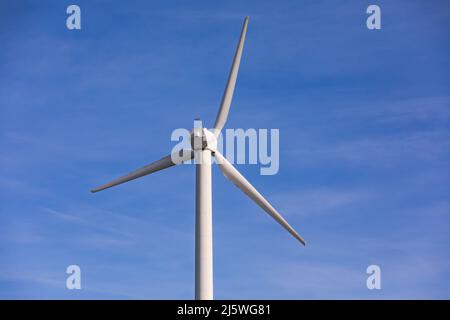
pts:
pixel 161 164
pixel 231 173
pixel 229 89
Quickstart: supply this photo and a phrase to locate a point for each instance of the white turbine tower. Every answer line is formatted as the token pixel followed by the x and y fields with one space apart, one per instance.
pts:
pixel 204 145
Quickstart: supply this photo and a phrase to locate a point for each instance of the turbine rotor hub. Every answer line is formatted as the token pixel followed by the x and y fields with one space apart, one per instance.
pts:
pixel 202 138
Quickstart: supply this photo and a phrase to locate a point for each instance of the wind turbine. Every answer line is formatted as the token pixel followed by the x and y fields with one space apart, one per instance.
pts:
pixel 204 146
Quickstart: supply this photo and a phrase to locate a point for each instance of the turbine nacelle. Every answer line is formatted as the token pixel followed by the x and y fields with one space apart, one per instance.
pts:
pixel 202 138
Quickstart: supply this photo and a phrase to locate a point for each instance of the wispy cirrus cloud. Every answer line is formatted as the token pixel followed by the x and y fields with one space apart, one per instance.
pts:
pixel 434 109
pixel 422 147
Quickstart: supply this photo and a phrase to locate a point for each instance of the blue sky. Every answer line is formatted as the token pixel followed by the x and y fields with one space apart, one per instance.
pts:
pixel 364 119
